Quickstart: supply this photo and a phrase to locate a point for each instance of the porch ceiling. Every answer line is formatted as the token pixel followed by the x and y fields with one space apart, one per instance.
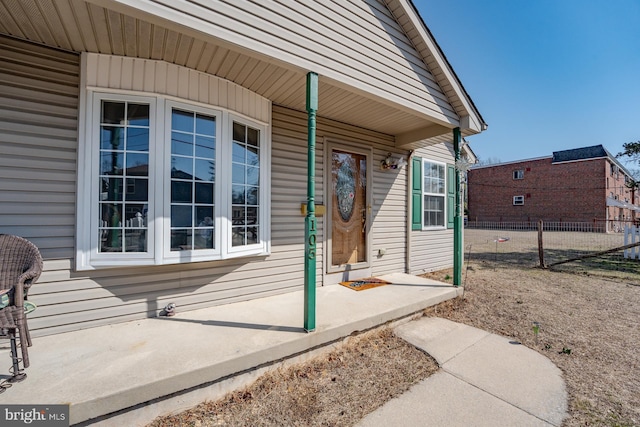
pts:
pixel 80 26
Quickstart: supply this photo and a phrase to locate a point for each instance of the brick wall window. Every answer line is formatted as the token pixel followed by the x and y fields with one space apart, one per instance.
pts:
pixel 518 200
pixel 518 174
pixel 615 170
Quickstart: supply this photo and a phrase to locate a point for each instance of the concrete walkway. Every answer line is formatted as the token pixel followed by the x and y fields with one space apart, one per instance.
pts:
pixel 129 373
pixel 485 380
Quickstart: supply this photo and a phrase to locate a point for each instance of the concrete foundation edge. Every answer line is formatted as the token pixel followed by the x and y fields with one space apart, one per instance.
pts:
pixel 140 405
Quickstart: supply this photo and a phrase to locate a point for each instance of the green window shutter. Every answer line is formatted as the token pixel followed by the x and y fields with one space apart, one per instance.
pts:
pixel 416 193
pixel 451 195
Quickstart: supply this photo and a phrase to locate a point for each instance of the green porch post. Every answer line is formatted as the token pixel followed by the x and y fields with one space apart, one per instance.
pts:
pixel 310 219
pixel 457 220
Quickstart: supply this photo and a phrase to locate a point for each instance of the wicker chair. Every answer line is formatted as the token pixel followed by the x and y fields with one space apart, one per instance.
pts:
pixel 20 267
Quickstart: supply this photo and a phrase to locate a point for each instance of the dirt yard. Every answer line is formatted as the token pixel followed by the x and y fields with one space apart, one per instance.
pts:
pixel 589 327
pixel 334 389
pixel 588 315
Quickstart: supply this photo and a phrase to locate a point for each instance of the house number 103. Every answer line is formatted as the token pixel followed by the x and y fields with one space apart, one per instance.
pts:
pixel 311 240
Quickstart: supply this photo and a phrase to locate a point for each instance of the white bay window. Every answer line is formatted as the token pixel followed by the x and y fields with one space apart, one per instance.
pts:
pixel 165 181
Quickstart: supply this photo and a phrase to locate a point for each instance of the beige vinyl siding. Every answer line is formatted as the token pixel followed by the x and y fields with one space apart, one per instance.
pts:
pixel 69 300
pixel 388 209
pixel 365 49
pixel 389 216
pixel 39 151
pixel 158 77
pixel 365 59
pixel 38 142
pixel 289 187
pixel 432 250
pixel 426 48
pixel 389 187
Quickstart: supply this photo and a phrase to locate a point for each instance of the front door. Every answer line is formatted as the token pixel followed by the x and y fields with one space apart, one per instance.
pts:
pixel 349 211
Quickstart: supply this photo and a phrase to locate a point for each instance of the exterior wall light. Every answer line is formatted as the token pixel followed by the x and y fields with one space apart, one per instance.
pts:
pixel 391 162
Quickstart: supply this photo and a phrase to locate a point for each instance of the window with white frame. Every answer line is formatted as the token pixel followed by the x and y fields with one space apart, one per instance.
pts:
pixel 193 165
pixel 518 200
pixel 434 194
pixel 176 182
pixel 123 176
pixel 245 191
pixel 518 174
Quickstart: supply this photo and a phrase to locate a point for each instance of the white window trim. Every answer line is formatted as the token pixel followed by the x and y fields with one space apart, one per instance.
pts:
pixel 158 244
pixel 518 174
pixel 518 200
pixel 89 186
pixel 444 196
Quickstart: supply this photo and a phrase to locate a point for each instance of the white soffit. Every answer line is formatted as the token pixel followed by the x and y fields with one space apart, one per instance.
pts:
pixel 155 33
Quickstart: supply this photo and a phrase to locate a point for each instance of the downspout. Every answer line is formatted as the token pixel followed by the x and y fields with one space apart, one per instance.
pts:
pixel 310 230
pixel 457 220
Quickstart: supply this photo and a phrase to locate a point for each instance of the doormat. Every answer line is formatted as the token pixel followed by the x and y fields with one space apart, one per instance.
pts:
pixel 366 283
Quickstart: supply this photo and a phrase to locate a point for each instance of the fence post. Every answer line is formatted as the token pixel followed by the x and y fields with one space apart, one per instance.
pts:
pixel 631 235
pixel 627 233
pixel 540 246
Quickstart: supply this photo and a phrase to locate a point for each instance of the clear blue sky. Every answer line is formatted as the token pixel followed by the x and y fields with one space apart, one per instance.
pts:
pixel 546 75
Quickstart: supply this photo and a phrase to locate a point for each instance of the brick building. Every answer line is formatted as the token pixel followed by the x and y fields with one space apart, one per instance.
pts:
pixel 579 185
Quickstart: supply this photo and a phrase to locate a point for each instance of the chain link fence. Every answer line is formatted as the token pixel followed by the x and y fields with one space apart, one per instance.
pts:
pixel 514 242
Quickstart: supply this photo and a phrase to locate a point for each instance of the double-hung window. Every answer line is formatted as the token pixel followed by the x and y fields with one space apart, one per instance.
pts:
pixel 170 182
pixel 434 194
pixel 433 190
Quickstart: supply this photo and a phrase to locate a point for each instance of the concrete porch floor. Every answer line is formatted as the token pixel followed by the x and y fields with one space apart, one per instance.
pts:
pixel 129 373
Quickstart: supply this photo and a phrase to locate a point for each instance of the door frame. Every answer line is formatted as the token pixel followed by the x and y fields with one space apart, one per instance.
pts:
pixel 334 274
